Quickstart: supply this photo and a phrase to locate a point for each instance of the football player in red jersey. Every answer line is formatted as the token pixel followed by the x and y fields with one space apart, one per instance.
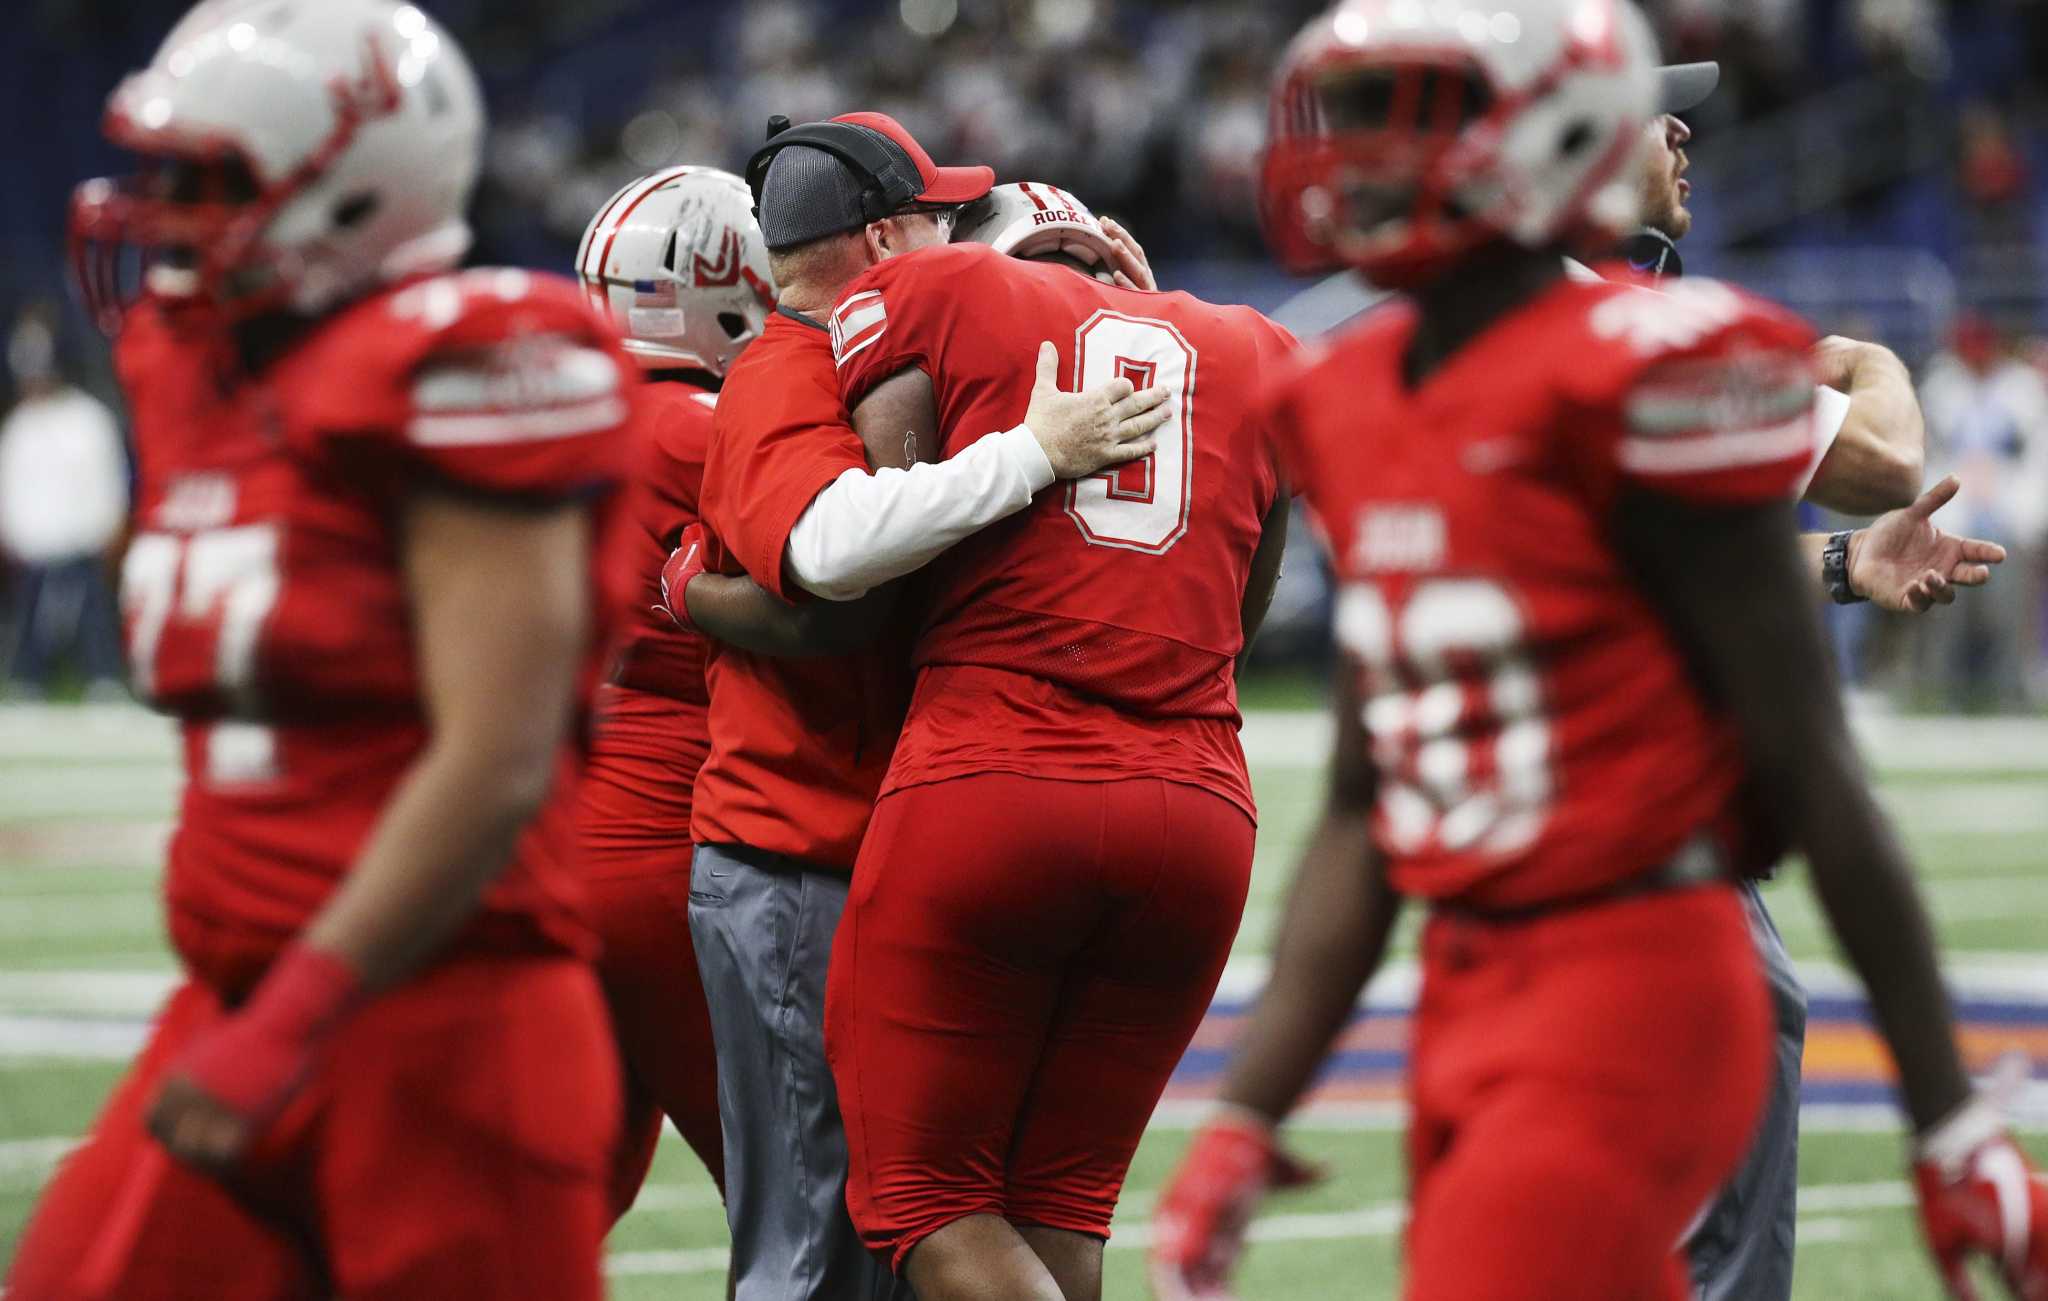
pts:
pixel 1058 860
pixel 798 748
pixel 368 495
pixel 677 260
pixel 1575 621
pixel 1070 1150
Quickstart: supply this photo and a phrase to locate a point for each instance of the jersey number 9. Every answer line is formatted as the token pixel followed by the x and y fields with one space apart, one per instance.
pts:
pixel 1143 505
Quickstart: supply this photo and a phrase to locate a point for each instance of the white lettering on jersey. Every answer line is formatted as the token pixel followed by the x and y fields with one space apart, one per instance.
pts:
pixel 857 323
pixel 1403 538
pixel 525 390
pixel 437 303
pixel 1665 320
pixel 1453 708
pixel 195 502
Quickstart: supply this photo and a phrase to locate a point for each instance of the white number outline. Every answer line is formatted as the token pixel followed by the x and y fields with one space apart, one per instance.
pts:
pixel 1413 705
pixel 1093 503
pixel 229 575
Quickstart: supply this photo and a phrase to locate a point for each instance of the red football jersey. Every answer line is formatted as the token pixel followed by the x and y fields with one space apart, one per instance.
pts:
pixel 262 592
pixel 1534 726
pixel 1093 635
pixel 671 434
pixel 798 746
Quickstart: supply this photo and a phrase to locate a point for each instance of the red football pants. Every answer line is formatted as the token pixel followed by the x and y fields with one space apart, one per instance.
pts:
pixel 633 838
pixel 453 1142
pixel 1020 966
pixel 1581 1085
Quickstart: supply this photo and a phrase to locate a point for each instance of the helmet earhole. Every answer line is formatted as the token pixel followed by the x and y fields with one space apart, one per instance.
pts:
pixel 354 210
pixel 733 324
pixel 1576 137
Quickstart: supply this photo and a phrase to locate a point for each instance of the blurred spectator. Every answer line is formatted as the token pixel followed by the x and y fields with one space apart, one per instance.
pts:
pixel 1993 174
pixel 1905 34
pixel 63 496
pixel 1987 420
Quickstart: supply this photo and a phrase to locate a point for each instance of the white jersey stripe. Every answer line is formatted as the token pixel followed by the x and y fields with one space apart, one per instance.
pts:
pixel 484 428
pixel 1793 439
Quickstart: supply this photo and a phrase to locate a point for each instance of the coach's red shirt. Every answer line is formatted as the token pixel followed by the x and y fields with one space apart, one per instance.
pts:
pixel 798 747
pixel 1092 636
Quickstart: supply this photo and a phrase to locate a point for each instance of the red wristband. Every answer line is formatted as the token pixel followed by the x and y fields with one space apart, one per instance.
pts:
pixel 254 1060
pixel 682 565
pixel 307 993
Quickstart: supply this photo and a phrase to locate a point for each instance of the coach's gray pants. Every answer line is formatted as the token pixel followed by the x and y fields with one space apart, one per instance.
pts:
pixel 763 925
pixel 1742 1249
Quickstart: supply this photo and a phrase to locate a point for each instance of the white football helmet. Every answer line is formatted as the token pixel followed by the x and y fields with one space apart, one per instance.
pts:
pixel 297 153
pixel 678 261
pixel 1031 217
pixel 1405 132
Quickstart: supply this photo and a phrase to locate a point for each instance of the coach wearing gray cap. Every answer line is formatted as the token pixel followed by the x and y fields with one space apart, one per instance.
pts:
pixel 799 746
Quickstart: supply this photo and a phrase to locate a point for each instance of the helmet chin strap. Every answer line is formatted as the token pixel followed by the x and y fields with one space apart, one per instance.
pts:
pixel 1652 252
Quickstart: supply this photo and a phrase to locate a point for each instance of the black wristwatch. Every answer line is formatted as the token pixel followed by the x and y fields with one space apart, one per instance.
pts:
pixel 1834 568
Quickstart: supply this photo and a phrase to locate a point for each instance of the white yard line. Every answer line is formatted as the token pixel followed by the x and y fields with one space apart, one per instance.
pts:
pixel 1301 738
pixel 1293 737
pixel 1378 1220
pixel 89 993
pixel 696 1260
pixel 2020 977
pixel 1827 1213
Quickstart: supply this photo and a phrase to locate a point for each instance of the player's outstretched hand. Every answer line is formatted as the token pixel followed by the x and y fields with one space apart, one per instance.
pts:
pixel 1199 1224
pixel 1131 269
pixel 1979 1195
pixel 1903 562
pixel 1085 432
pixel 234 1077
pixel 682 565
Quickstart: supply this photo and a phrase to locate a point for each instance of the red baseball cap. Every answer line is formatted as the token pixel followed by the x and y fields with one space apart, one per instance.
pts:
pixel 941 184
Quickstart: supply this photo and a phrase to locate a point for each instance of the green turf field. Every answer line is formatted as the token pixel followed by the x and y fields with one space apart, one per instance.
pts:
pixel 84 794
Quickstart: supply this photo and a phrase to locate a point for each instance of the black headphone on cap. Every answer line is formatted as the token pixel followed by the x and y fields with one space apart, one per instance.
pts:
pixel 889 179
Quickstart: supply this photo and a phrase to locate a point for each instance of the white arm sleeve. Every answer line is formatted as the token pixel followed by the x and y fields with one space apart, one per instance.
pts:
pixel 1830 409
pixel 865 529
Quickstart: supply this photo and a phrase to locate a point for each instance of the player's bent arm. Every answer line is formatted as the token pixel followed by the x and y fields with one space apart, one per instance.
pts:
pixel 500 600
pixel 738 611
pixel 865 529
pixel 1265 572
pixel 1732 587
pixel 1878 456
pixel 1333 932
pixel 898 421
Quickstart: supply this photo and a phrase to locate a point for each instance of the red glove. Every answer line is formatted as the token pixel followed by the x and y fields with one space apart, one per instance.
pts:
pixel 233 1079
pixel 1199 1225
pixel 1979 1193
pixel 682 565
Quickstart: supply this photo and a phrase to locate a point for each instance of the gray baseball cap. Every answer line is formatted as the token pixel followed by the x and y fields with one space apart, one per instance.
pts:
pixel 808 194
pixel 1681 86
pixel 827 177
